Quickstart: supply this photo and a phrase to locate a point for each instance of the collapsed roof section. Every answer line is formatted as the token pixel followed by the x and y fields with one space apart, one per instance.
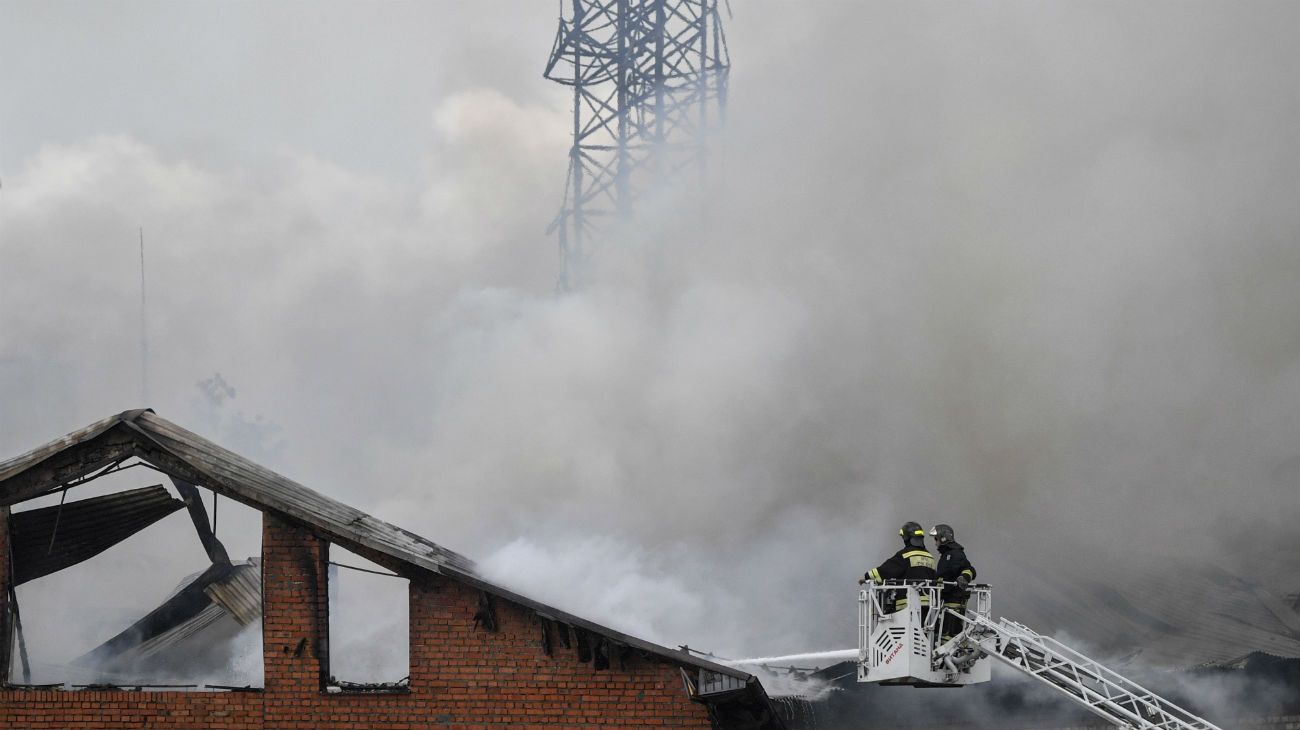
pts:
pixel 49 539
pixel 190 459
pixel 224 593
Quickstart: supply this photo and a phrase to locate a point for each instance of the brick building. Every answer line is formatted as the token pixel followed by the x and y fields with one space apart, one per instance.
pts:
pixel 480 656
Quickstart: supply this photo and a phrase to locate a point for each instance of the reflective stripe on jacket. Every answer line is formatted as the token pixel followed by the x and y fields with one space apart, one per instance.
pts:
pixel 908 564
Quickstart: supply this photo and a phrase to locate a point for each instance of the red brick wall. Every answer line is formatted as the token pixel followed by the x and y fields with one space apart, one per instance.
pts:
pixel 295 613
pixel 63 710
pixel 461 676
pixel 470 675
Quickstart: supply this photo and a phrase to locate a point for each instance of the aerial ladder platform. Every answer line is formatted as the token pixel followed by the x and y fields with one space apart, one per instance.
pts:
pixel 908 646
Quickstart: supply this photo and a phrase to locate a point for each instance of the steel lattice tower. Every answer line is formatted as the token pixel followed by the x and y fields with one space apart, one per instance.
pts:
pixel 649 82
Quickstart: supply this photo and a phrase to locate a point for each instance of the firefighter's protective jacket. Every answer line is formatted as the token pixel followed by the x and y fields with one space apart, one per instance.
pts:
pixel 952 563
pixel 911 564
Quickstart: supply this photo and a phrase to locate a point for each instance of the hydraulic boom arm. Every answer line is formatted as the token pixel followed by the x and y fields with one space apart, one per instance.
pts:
pixel 1101 690
pixel 901 640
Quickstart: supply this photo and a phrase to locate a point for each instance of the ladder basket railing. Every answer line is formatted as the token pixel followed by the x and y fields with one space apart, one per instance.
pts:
pixel 899 634
pixel 877 600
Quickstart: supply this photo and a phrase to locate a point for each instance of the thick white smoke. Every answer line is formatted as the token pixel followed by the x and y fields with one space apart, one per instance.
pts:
pixel 1031 273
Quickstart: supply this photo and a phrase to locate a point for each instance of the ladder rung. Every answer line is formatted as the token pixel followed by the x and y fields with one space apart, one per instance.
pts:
pixel 1104 691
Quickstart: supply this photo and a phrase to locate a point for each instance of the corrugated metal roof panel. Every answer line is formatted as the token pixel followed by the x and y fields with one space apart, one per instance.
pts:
pixel 240 594
pixel 191 609
pixel 160 643
pixel 49 539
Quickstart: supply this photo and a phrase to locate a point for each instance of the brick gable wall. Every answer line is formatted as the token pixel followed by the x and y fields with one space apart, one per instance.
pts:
pixel 462 676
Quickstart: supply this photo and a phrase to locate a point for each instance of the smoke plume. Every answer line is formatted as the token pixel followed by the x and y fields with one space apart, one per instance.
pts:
pixel 1026 269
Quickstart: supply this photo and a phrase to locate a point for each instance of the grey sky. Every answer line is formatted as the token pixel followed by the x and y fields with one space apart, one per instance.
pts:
pixel 230 83
pixel 1026 268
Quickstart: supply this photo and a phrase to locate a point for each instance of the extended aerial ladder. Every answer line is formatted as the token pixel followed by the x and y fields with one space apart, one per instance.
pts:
pixel 908 647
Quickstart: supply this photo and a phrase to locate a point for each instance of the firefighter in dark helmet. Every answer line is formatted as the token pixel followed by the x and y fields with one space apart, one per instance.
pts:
pixel 912 564
pixel 956 572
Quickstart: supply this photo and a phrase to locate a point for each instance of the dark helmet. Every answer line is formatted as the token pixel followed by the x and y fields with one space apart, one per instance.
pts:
pixel 942 534
pixel 912 534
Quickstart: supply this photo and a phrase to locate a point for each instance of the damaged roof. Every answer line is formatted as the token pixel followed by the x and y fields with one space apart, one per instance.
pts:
pixel 185 455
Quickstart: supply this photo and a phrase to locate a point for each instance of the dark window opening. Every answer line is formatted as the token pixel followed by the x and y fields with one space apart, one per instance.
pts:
pixel 369 626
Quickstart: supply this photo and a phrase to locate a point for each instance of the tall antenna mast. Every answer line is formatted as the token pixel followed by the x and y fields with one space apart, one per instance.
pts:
pixel 649 82
pixel 144 333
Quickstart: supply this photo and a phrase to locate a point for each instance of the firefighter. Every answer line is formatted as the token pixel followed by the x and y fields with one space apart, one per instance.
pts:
pixel 911 564
pixel 956 572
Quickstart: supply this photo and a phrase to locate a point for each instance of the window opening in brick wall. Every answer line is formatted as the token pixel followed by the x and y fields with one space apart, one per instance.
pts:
pixel 369 625
pixel 117 589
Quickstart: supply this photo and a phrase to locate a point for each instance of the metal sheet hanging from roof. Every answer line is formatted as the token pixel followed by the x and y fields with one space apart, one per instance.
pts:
pixel 49 539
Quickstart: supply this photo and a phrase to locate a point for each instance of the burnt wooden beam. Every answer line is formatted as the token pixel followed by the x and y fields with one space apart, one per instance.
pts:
pixel 486 615
pixel 580 641
pixel 622 651
pixel 546 637
pixel 199 516
pixel 18 634
pixel 113 445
